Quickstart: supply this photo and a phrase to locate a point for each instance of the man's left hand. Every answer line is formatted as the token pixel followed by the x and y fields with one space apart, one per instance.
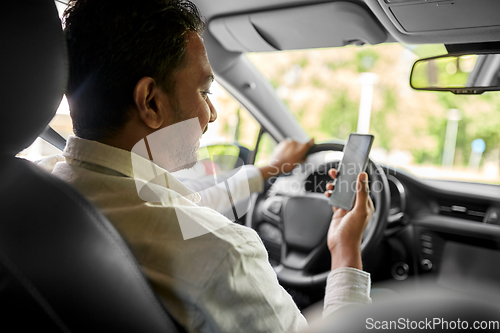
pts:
pixel 286 156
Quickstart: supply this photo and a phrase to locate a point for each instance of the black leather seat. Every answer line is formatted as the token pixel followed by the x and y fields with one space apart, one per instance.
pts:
pixel 63 267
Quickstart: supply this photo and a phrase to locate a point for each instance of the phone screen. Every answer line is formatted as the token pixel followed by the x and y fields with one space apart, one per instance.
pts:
pixel 354 162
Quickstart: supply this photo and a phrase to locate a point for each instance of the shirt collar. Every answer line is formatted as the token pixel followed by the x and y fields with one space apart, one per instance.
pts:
pixel 124 162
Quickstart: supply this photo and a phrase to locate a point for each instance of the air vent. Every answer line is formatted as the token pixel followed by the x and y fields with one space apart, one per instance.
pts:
pixel 467 211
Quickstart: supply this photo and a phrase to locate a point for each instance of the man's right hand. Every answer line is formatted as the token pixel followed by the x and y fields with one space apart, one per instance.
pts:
pixel 346 228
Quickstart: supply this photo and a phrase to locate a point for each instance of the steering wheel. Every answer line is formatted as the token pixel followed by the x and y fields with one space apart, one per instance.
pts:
pixel 301 221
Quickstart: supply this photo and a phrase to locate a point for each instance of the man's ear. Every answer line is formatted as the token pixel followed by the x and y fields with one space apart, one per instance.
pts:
pixel 146 95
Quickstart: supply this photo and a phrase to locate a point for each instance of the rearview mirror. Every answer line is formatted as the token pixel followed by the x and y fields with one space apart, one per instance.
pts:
pixel 460 74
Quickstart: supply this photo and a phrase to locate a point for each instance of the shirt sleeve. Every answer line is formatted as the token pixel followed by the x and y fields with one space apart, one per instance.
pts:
pixel 346 286
pixel 244 295
pixel 255 179
pixel 214 192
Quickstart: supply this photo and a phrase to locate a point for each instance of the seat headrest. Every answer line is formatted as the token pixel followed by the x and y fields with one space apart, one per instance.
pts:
pixel 33 67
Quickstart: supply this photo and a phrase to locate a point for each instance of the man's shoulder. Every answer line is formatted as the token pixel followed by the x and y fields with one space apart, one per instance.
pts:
pixel 197 232
pixel 192 221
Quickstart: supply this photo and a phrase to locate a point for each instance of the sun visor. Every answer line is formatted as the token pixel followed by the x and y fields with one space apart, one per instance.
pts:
pixel 314 26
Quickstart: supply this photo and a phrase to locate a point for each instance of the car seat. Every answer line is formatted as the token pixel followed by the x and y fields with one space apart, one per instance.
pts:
pixel 63 267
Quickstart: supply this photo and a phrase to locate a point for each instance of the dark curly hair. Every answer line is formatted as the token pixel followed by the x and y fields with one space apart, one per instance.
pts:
pixel 112 44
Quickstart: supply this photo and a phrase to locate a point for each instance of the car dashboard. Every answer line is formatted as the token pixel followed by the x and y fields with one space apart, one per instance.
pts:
pixel 453 232
pixel 443 232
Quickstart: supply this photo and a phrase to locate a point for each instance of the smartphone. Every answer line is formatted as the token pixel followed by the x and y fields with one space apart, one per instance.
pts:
pixel 353 163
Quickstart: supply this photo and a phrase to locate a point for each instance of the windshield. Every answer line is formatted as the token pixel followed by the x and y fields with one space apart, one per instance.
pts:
pixel 333 92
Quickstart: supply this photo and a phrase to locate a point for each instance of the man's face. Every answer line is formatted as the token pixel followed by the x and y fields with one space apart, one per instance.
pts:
pixel 192 84
pixel 190 100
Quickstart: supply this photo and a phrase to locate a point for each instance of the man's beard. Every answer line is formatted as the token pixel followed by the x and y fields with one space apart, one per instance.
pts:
pixel 185 157
pixel 183 153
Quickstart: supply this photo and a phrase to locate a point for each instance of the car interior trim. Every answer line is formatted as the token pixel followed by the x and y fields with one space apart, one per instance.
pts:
pixel 474 34
pixel 53 138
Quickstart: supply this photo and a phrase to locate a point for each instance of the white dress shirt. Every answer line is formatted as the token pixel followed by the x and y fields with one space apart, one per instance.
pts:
pixel 216 278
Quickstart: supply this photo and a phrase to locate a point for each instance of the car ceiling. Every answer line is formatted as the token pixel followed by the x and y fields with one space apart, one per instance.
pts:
pixel 405 21
pixel 371 21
